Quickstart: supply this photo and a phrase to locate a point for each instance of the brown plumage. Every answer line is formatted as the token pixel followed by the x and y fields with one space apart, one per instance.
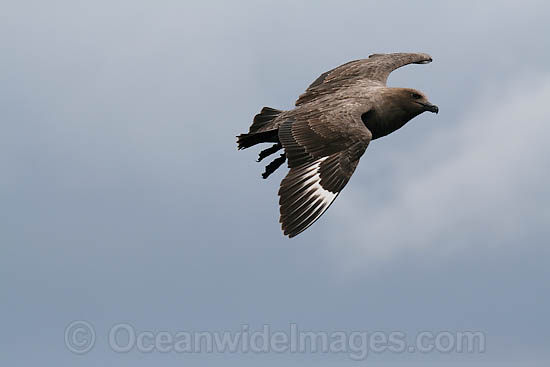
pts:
pixel 329 130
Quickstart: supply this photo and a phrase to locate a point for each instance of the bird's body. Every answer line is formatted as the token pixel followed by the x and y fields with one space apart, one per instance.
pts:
pixel 329 130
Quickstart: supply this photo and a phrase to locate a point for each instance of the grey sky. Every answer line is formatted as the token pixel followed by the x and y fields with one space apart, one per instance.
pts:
pixel 124 198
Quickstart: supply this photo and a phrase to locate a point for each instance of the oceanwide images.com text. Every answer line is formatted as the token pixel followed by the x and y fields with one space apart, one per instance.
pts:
pixel 80 338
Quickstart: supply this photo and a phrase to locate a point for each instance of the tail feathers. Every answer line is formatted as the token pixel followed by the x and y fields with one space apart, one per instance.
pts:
pixel 247 140
pixel 261 131
pixel 264 130
pixel 262 120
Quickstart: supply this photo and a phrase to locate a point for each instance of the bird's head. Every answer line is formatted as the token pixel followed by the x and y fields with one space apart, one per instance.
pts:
pixel 414 101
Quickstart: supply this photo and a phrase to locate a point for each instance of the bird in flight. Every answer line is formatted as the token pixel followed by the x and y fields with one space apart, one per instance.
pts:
pixel 329 129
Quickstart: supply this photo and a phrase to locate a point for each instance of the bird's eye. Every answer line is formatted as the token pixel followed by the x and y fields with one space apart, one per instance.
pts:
pixel 416 95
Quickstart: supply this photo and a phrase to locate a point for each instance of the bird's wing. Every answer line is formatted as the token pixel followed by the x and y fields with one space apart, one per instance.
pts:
pixel 372 71
pixel 323 149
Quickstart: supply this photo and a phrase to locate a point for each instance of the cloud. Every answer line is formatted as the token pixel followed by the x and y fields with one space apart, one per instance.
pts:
pixel 480 182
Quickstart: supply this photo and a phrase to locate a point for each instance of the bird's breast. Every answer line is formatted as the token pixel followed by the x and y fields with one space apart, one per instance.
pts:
pixel 381 124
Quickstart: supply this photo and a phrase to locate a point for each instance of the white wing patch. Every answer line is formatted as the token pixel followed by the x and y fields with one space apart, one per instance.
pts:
pixel 315 187
pixel 303 199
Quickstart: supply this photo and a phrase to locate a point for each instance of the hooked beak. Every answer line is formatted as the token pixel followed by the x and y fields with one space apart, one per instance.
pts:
pixel 430 107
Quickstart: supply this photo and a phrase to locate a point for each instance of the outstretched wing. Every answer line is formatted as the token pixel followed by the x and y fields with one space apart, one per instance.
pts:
pixel 372 71
pixel 323 150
